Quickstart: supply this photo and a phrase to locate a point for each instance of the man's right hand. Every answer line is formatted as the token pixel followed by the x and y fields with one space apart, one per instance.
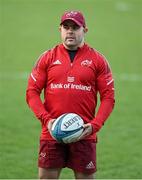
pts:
pixel 49 125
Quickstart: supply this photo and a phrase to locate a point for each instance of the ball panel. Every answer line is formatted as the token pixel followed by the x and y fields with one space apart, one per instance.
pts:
pixel 62 134
pixel 56 132
pixel 71 122
pixel 58 120
pixel 72 137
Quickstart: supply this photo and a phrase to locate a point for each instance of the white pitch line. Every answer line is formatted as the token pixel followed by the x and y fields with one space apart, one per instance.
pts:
pixel 132 77
pixel 14 75
pixel 123 6
pixel 128 77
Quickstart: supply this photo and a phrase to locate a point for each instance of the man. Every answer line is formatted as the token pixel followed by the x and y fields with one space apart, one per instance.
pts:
pixel 75 63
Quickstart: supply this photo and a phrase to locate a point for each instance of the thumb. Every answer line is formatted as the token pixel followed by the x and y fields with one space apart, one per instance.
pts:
pixel 50 123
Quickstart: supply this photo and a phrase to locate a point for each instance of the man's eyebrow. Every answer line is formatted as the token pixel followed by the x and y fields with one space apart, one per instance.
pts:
pixel 75 25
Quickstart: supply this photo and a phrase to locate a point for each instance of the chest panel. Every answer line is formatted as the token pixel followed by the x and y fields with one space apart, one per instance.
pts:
pixel 80 71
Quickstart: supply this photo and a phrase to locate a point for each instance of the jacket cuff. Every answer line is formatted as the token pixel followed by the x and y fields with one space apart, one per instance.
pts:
pixel 95 128
pixel 45 119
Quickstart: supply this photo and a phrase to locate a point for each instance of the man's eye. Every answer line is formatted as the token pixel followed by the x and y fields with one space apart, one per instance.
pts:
pixel 65 26
pixel 75 27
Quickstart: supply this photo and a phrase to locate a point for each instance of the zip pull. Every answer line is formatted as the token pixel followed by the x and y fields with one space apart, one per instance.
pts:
pixel 71 64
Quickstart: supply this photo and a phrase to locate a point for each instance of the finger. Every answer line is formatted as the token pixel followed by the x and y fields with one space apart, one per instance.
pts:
pixel 88 127
pixel 83 135
pixel 50 123
pixel 87 131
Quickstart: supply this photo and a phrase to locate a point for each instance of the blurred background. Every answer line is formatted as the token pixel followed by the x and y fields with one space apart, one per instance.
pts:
pixel 27 29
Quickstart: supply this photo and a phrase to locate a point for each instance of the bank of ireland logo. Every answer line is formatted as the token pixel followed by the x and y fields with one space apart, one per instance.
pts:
pixel 70 79
pixel 86 62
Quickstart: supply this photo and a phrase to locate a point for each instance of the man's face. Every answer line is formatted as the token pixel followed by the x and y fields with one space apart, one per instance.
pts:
pixel 72 35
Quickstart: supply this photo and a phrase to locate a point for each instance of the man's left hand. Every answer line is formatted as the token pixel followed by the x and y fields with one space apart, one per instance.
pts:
pixel 87 131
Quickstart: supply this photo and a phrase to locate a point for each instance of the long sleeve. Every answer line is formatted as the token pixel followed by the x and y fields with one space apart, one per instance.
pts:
pixel 36 82
pixel 105 87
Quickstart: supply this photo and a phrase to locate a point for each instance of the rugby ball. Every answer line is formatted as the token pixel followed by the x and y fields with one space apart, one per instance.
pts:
pixel 67 128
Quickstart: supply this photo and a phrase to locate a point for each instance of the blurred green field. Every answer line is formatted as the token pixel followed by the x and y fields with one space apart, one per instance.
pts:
pixel 28 28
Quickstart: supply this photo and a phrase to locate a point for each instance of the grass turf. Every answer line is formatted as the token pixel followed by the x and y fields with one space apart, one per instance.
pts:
pixel 28 28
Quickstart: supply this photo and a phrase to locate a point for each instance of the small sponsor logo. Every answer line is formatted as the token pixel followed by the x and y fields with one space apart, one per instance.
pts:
pixel 70 79
pixel 42 155
pixel 90 165
pixel 71 14
pixel 86 62
pixel 57 62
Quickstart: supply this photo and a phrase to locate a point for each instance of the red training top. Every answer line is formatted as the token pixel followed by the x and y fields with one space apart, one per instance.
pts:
pixel 71 87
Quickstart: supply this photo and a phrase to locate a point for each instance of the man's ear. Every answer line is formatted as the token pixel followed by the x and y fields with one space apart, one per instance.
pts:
pixel 85 30
pixel 59 28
